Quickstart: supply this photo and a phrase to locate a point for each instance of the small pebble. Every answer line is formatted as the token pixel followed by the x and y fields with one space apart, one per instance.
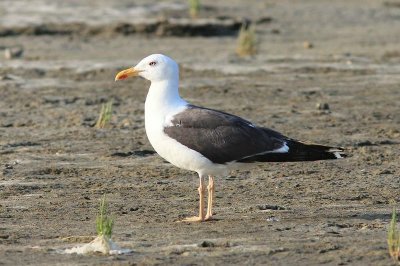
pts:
pixel 322 106
pixel 13 52
pixel 207 244
pixel 308 45
pixel 272 219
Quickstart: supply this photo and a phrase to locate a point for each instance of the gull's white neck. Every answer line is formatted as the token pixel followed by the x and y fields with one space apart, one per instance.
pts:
pixel 163 96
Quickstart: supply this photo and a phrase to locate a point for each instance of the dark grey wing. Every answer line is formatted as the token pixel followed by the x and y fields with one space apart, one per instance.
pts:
pixel 221 137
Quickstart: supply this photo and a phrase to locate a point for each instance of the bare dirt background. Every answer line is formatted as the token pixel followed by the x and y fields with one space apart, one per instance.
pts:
pixel 55 166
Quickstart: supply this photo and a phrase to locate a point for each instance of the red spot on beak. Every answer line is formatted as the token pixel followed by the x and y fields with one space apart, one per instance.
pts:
pixel 123 76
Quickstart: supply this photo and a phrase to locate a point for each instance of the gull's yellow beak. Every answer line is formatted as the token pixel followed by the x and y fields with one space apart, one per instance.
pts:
pixel 130 72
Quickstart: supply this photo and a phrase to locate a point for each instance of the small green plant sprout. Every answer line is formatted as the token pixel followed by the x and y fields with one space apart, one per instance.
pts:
pixel 102 243
pixel 393 238
pixel 246 41
pixel 104 223
pixel 105 115
pixel 194 8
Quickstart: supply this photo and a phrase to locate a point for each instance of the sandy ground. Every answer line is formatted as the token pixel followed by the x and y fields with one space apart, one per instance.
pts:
pixel 55 166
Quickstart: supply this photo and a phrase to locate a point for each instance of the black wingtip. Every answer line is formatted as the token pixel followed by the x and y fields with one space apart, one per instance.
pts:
pixel 300 152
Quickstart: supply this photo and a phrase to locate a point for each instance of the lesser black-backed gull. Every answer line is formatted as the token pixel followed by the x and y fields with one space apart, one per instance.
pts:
pixel 208 141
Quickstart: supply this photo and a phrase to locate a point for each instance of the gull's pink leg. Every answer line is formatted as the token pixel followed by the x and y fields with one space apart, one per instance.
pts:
pixel 211 190
pixel 202 191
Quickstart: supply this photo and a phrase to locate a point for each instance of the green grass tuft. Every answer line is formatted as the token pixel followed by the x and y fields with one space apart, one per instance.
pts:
pixel 104 223
pixel 246 41
pixel 194 8
pixel 393 238
pixel 105 115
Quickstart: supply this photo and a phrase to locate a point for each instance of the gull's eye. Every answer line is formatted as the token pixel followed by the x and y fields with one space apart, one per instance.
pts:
pixel 152 63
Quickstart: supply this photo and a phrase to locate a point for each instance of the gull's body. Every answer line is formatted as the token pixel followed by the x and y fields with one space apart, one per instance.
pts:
pixel 208 141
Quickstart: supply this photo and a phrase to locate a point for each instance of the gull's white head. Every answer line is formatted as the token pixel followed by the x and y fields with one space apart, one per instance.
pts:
pixel 155 67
